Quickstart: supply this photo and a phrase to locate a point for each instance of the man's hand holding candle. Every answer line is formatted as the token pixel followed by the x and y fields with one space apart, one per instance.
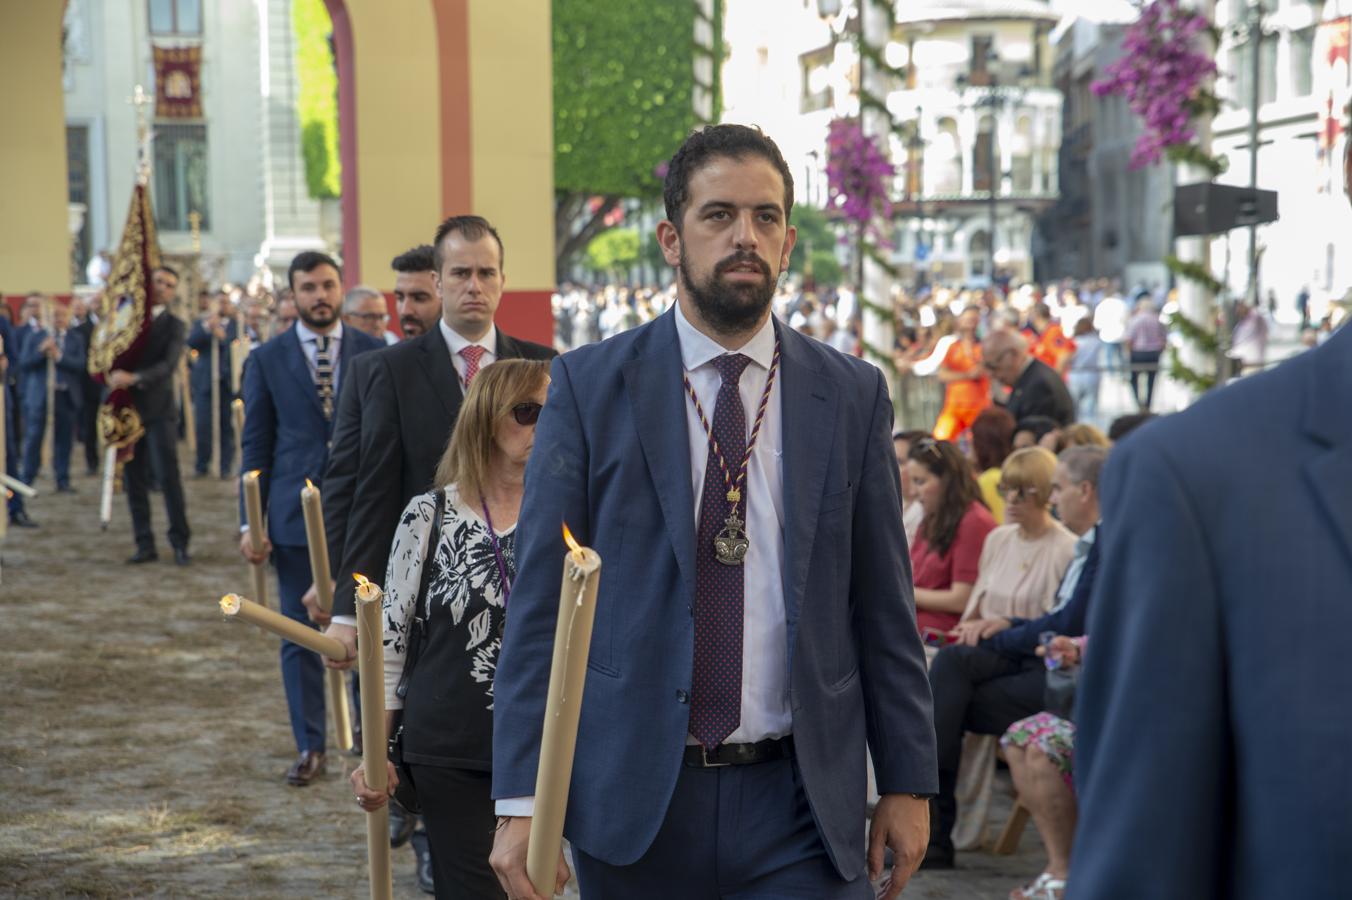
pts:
pixel 310 600
pixel 246 548
pixel 347 634
pixel 508 860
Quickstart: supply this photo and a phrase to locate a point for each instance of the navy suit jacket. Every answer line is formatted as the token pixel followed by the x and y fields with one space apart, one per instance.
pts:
pixel 611 460
pixel 69 368
pixel 285 434
pixel 1212 755
pixel 1022 638
pixel 199 339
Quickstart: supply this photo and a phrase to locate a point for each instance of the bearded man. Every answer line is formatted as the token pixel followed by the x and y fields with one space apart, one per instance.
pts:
pixel 755 623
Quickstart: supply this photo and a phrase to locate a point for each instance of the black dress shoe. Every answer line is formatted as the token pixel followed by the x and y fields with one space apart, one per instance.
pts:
pixel 402 824
pixel 423 853
pixel 20 519
pixel 142 556
pixel 181 557
pixel 307 767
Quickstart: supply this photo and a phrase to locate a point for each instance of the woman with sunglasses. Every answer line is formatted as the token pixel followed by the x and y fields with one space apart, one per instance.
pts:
pixel 448 597
pixel 947 549
pixel 1024 559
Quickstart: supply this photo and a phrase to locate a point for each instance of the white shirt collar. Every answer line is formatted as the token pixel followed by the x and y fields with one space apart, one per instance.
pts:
pixel 455 341
pixel 697 348
pixel 308 336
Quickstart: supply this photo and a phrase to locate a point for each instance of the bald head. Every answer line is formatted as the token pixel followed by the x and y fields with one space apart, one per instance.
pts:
pixel 1005 353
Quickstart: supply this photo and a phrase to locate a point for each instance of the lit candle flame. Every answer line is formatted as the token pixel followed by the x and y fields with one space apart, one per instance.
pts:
pixel 361 580
pixel 573 546
pixel 254 474
pixel 309 484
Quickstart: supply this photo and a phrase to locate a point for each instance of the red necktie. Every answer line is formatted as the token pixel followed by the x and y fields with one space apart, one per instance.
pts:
pixel 716 689
pixel 472 354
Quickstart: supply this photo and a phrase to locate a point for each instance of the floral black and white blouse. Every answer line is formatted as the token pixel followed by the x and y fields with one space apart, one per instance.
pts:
pixel 448 709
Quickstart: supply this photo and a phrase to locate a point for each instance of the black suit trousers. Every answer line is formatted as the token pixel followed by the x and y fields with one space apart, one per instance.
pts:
pixel 158 449
pixel 975 689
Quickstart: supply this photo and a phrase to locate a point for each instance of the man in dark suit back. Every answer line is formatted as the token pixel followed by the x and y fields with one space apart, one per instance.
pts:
pixel 9 369
pixel 1211 745
pixel 409 401
pixel 219 325
pixel 90 390
pixel 1035 388
pixel 152 393
pixel 290 385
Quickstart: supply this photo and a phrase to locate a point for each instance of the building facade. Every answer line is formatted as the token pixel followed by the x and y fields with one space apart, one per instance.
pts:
pixel 1303 92
pixel 226 141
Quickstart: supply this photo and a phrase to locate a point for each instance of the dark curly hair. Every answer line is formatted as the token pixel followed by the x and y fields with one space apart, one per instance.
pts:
pixel 420 259
pixel 712 141
pixel 945 461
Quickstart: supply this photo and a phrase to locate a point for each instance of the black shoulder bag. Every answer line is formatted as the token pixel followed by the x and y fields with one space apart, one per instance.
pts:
pixel 405 793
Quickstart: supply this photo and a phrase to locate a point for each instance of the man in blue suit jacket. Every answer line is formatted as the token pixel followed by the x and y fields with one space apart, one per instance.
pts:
pixel 67 348
pixel 728 703
pixel 289 388
pixel 220 325
pixel 9 370
pixel 1211 758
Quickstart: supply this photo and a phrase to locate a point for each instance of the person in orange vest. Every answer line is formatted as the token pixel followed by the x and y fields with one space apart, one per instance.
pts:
pixel 1047 341
pixel 967 389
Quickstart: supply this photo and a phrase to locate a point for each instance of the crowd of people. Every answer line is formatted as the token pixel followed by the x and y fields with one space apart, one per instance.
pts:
pixel 716 441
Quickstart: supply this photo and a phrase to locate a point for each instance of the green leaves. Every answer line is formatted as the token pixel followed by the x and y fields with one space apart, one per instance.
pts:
pixel 623 83
pixel 317 100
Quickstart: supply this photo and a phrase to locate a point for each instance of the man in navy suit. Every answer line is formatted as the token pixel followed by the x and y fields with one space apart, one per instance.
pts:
pixel 66 348
pixel 1211 757
pixel 9 368
pixel 755 625
pixel 290 390
pixel 219 324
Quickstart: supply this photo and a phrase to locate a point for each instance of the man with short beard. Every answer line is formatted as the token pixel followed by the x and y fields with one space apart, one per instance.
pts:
pixel 755 622
pixel 290 389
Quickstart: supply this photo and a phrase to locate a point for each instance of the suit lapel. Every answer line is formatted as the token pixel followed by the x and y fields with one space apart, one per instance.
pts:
pixel 1329 474
pixel 808 412
pixel 293 358
pixel 657 399
pixel 435 358
pixel 507 346
pixel 346 352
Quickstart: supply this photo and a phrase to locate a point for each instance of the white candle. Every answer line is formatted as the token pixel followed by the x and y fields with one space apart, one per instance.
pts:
pixel 253 516
pixel 371 671
pixel 563 707
pixel 106 497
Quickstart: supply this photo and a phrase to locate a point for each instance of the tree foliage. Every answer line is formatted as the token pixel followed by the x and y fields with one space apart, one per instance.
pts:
pixel 317 100
pixel 613 251
pixel 624 77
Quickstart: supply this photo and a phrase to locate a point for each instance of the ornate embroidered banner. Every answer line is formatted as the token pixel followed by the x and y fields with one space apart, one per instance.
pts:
pixel 178 82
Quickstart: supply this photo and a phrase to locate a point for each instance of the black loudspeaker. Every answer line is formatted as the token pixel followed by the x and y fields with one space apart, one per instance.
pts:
pixel 1216 208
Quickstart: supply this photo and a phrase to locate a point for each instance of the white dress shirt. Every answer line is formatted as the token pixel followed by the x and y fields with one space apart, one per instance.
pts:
pixel 455 342
pixel 765 650
pixel 307 345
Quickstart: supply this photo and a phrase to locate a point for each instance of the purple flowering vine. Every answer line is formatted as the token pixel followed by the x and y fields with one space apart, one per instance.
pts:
pixel 858 174
pixel 1162 74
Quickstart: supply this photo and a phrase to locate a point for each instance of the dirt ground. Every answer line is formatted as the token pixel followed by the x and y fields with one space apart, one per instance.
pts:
pixel 143 740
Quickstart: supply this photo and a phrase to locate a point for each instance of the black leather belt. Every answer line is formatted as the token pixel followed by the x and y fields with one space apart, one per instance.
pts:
pixel 698 757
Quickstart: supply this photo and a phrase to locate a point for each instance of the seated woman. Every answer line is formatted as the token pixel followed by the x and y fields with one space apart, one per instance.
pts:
pixel 1024 559
pixel 948 545
pixel 992 442
pixel 1040 752
pixel 448 596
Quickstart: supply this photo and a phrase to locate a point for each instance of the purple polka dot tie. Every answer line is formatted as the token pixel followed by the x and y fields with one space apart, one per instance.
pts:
pixel 716 692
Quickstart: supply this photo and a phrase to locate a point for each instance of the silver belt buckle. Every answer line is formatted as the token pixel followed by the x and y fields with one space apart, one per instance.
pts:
pixel 704 758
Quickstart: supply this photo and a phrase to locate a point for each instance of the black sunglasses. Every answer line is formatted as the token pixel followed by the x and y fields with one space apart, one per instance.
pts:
pixel 526 413
pixel 929 445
